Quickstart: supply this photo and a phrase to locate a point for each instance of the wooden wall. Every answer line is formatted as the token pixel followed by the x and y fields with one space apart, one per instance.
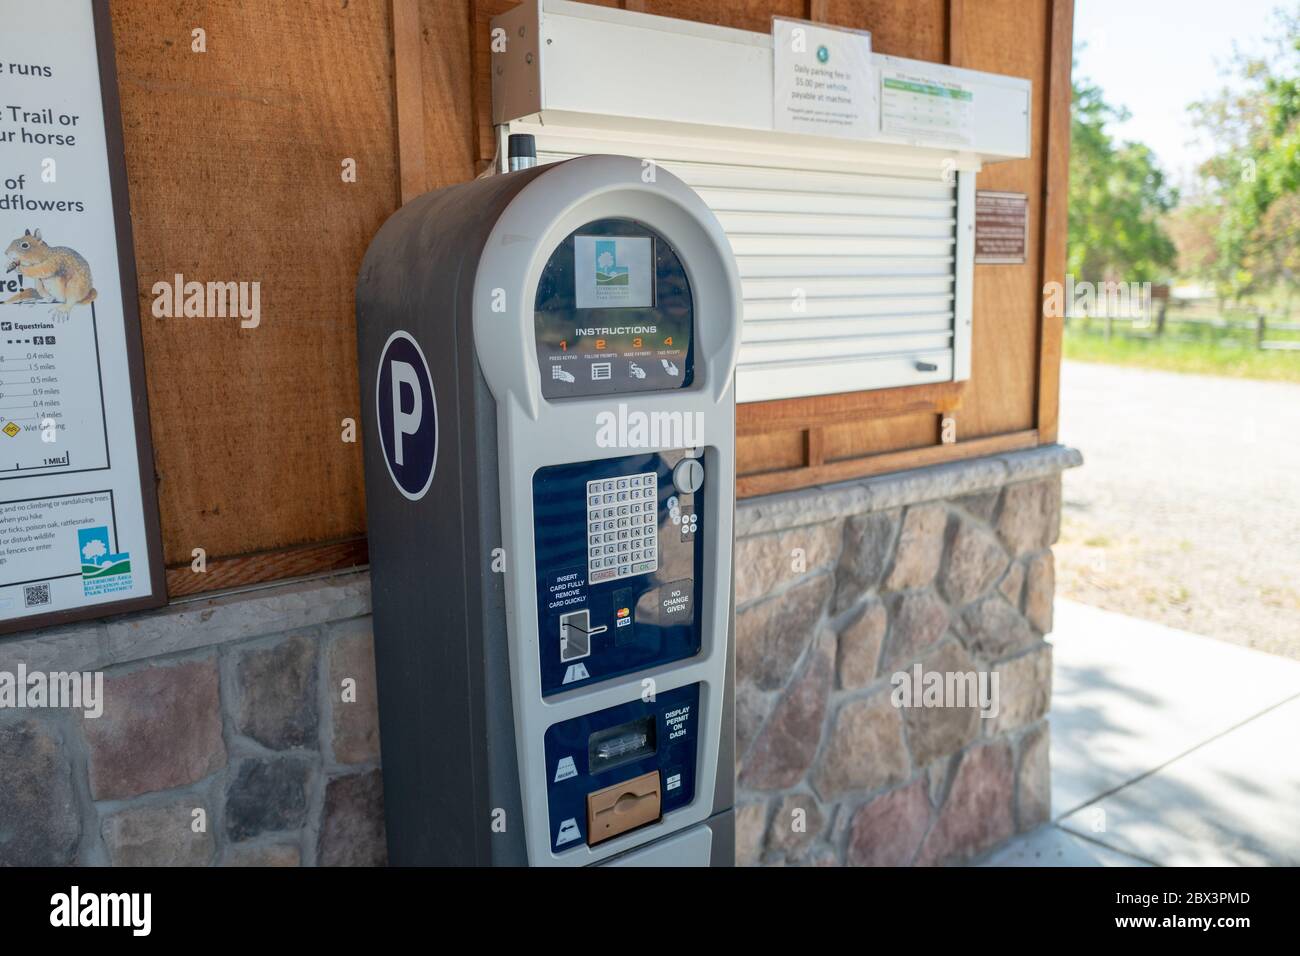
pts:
pixel 234 159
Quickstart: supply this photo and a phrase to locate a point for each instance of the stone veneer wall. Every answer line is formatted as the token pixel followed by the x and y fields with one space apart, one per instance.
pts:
pixel 839 588
pixel 232 705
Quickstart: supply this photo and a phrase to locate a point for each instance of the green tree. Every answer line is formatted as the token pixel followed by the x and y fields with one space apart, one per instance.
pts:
pixel 1194 227
pixel 1118 196
pixel 1253 180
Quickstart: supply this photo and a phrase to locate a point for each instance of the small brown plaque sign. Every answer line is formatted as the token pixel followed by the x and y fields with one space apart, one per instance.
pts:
pixel 1001 227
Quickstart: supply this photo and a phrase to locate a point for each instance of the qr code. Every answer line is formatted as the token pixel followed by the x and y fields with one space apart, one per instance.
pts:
pixel 35 595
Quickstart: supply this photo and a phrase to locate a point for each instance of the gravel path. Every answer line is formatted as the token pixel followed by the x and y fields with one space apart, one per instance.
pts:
pixel 1187 509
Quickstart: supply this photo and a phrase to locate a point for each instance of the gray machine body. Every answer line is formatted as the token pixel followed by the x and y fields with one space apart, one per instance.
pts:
pixel 464 713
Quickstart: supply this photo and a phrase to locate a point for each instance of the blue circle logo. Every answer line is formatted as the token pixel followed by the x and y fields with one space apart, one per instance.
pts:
pixel 407 415
pixel 823 54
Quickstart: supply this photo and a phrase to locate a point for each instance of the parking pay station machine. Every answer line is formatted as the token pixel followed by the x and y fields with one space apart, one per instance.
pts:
pixel 546 362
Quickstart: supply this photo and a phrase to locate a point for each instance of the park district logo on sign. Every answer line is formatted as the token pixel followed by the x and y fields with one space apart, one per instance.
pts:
pixel 608 271
pixel 102 572
pixel 407 415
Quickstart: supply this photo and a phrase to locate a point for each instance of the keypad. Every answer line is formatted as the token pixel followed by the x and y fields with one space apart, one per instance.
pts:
pixel 622 527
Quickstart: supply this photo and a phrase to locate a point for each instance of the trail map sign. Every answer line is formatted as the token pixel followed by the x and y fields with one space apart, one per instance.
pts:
pixel 78 510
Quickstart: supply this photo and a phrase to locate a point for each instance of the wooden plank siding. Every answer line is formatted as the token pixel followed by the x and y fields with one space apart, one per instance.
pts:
pixel 1056 207
pixel 234 160
pixel 234 165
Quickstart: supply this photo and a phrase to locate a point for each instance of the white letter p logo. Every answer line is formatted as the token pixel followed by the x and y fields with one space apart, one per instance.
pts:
pixel 404 423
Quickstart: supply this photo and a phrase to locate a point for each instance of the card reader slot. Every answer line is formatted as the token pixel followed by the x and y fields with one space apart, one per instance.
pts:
pixel 576 633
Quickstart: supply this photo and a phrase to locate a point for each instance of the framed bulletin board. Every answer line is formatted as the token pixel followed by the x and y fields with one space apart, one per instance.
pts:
pixel 79 531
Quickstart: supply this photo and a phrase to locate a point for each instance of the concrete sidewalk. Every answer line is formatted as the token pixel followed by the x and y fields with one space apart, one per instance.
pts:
pixel 1168 749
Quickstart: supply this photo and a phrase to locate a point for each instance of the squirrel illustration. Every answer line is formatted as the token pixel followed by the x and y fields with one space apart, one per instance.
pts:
pixel 61 275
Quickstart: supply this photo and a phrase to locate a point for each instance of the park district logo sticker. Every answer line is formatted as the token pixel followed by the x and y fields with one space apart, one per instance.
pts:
pixel 407 412
pixel 102 572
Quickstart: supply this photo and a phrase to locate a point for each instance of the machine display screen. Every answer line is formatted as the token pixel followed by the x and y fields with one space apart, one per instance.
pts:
pixel 613 273
pixel 613 313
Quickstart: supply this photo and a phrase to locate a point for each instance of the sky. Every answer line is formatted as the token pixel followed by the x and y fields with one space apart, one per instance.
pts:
pixel 1156 56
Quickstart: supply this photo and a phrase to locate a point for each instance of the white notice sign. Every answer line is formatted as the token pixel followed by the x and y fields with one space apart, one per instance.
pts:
pixel 921 107
pixel 822 80
pixel 78 527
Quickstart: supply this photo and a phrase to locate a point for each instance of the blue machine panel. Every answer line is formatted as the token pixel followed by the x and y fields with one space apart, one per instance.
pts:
pixel 599 750
pixel 619 553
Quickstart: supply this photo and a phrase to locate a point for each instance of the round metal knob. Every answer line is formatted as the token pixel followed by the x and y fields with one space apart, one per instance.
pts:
pixel 688 476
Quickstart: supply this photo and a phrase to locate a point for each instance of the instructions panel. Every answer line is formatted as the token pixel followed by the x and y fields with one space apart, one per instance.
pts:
pixel 73 527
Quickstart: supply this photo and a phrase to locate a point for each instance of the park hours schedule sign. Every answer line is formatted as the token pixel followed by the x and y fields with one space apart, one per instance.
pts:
pixel 78 509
